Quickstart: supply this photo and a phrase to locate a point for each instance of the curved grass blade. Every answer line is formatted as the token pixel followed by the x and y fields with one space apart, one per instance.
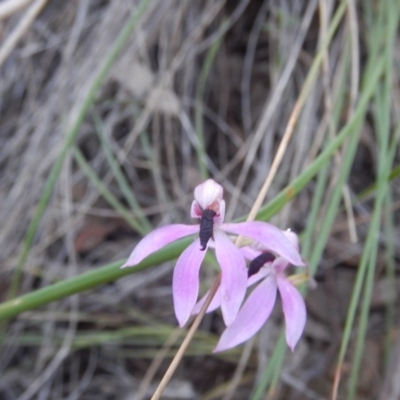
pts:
pixel 86 281
pixel 111 199
pixel 120 178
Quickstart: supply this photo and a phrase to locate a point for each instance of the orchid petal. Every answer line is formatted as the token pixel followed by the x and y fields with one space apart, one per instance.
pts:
pixel 294 239
pixel 234 276
pixel 294 310
pixel 185 283
pixel 157 239
pixel 208 192
pixel 195 210
pixel 252 315
pixel 269 236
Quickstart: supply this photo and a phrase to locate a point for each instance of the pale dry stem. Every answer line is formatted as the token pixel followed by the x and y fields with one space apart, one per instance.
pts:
pixel 185 344
pixel 10 7
pixel 155 364
pixel 20 29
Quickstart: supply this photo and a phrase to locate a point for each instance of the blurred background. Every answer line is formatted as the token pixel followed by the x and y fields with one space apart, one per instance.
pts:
pixel 111 112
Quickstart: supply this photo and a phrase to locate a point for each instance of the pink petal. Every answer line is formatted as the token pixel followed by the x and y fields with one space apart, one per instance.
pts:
pixel 185 283
pixel 294 309
pixel 269 236
pixel 234 276
pixel 195 210
pixel 208 192
pixel 252 315
pixel 157 239
pixel 294 239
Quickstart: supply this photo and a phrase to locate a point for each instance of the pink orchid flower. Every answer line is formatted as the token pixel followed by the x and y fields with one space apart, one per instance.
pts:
pixel 209 207
pixel 258 306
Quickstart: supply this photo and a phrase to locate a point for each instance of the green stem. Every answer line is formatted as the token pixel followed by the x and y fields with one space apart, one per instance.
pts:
pixel 86 281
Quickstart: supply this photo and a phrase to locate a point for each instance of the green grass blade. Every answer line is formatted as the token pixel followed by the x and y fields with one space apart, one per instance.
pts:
pixel 155 170
pixel 367 266
pixel 86 281
pixel 316 202
pixel 111 199
pixel 299 183
pixel 390 277
pixel 277 355
pixel 120 178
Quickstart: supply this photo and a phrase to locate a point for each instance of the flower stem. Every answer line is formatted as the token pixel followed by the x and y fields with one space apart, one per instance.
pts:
pixel 185 344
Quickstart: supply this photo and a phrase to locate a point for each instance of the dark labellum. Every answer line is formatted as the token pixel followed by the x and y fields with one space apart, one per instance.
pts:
pixel 258 262
pixel 206 227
